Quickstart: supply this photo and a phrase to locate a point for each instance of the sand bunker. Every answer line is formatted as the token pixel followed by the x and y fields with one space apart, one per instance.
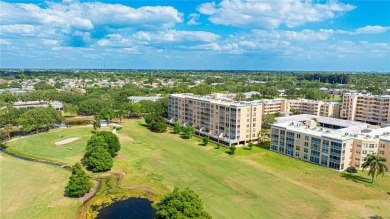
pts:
pixel 66 141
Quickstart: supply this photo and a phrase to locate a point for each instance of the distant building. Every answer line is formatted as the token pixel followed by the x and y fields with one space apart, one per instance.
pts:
pixel 55 104
pixel 333 143
pixel 373 109
pixel 136 99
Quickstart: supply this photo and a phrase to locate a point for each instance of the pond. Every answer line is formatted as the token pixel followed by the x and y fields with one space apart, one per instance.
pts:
pixel 135 208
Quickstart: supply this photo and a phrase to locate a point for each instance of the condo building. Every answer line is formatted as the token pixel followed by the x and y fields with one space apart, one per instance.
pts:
pixel 373 109
pixel 304 106
pixel 329 142
pixel 222 119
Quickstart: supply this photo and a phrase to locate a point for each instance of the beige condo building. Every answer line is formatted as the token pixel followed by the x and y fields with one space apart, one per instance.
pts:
pixel 221 119
pixel 373 109
pixel 304 106
pixel 329 142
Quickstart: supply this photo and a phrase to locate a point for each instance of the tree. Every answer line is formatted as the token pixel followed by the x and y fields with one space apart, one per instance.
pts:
pixel 96 123
pixel 43 86
pixel 205 140
pixel 240 97
pixel 176 128
pixel 107 114
pixel 39 117
pixel 112 141
pixel 262 133
pixel 98 159
pixel 156 123
pixel 8 129
pixel 189 131
pixel 78 183
pixel 181 204
pixel 71 109
pixel 268 120
pixel 295 111
pixel 250 145
pixel 375 166
pixel 232 149
pixel 95 141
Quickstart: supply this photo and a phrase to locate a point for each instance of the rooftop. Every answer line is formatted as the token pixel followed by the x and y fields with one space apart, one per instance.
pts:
pixel 333 128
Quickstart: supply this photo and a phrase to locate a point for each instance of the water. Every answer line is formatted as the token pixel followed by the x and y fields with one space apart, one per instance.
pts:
pixel 37 160
pixel 134 208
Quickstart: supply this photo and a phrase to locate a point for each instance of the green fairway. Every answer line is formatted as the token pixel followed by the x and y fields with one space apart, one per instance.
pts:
pixel 252 184
pixel 33 190
pixel 255 183
pixel 43 145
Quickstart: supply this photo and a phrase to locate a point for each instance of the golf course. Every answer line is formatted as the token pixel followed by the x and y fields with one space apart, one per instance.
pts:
pixel 255 183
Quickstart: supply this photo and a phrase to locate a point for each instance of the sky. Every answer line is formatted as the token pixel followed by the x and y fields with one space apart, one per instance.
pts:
pixel 300 35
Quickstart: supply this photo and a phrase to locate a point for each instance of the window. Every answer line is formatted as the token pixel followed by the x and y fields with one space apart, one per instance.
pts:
pixel 371 145
pixel 298 135
pixel 364 152
pixel 306 144
pixel 382 152
pixel 382 145
pixel 364 145
pixel 306 138
pixel 304 156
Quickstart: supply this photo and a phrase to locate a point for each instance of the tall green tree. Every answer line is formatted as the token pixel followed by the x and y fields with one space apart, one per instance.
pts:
pixel 268 120
pixel 181 204
pixel 376 166
pixel 96 123
pixel 176 128
pixel 111 140
pixel 70 108
pixel 98 160
pixel 78 183
pixel 189 131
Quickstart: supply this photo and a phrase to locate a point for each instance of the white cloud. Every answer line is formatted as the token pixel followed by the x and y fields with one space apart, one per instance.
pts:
pixel 193 19
pixel 50 42
pixel 175 36
pixel 4 42
pixel 18 29
pixel 271 14
pixel 85 16
pixel 372 29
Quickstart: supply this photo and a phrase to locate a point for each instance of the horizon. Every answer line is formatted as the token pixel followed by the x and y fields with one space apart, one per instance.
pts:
pixel 226 35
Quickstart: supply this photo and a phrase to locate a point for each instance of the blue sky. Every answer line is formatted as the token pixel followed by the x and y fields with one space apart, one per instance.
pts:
pixel 229 34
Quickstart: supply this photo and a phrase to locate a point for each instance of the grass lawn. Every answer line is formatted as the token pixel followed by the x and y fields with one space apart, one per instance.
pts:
pixel 255 183
pixel 43 145
pixel 33 190
pixel 260 183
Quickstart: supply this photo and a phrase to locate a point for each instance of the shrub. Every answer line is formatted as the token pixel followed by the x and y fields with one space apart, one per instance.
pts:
pixel 232 149
pixel 79 183
pixel 205 140
pixel 351 169
pixel 181 204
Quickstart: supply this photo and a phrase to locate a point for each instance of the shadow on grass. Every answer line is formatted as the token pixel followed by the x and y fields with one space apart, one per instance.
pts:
pixel 246 148
pixel 355 178
pixel 144 125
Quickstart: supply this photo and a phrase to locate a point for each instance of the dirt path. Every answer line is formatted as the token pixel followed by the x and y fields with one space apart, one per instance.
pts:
pixel 91 193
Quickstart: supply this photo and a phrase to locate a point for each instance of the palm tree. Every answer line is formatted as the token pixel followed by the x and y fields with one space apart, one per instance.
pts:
pixel 96 123
pixel 376 166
